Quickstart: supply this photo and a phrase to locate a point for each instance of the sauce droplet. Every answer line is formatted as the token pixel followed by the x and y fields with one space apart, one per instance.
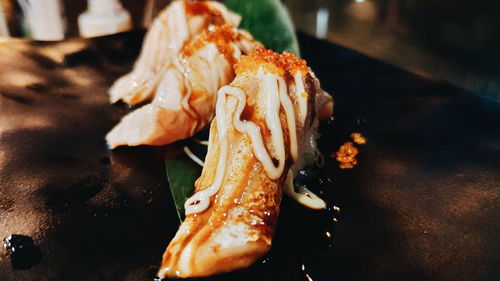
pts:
pixel 22 251
pixel 358 138
pixel 346 156
pixel 303 268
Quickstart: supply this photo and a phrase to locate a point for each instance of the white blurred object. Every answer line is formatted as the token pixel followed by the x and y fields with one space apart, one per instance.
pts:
pixel 4 30
pixel 45 18
pixel 322 17
pixel 362 10
pixel 104 17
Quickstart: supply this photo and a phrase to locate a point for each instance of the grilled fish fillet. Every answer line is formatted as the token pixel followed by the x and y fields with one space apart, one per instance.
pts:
pixel 263 118
pixel 174 26
pixel 185 98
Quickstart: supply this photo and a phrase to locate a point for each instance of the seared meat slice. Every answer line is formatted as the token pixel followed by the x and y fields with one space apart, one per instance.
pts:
pixel 176 25
pixel 185 98
pixel 263 119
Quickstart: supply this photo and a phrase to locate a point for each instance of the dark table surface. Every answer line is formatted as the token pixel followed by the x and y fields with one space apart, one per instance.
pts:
pixel 455 41
pixel 422 204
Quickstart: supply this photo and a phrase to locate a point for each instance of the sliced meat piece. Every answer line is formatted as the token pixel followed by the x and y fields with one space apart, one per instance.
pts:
pixel 254 141
pixel 184 101
pixel 176 25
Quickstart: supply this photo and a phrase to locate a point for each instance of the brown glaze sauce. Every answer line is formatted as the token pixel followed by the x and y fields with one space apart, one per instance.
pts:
pixel 196 7
pixel 248 112
pixel 205 224
pixel 201 8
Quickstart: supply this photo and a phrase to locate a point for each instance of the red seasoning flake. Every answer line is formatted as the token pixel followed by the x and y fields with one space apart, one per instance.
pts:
pixel 285 64
pixel 346 156
pixel 195 7
pixel 358 138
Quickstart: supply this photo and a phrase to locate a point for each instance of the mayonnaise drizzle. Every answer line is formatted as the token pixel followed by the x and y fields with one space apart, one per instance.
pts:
pixel 201 199
pixel 272 99
pixel 193 157
pixel 202 142
pixel 301 97
pixel 275 94
pixel 304 196
pixel 287 104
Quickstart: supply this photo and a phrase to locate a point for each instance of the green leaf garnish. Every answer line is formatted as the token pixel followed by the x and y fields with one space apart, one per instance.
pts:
pixel 182 172
pixel 269 22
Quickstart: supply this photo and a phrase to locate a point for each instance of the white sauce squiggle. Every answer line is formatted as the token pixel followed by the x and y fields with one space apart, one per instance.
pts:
pixel 202 142
pixel 287 104
pixel 301 97
pixel 272 99
pixel 275 94
pixel 193 157
pixel 304 196
pixel 201 199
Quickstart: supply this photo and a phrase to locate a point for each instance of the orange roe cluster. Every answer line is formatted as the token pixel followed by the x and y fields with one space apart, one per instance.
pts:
pixel 358 138
pixel 286 64
pixel 346 156
pixel 293 64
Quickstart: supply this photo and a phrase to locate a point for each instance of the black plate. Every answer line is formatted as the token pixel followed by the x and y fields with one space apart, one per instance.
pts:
pixel 423 203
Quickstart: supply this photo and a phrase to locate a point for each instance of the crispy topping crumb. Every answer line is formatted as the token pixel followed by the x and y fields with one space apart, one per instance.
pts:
pixel 358 138
pixel 346 156
pixel 280 64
